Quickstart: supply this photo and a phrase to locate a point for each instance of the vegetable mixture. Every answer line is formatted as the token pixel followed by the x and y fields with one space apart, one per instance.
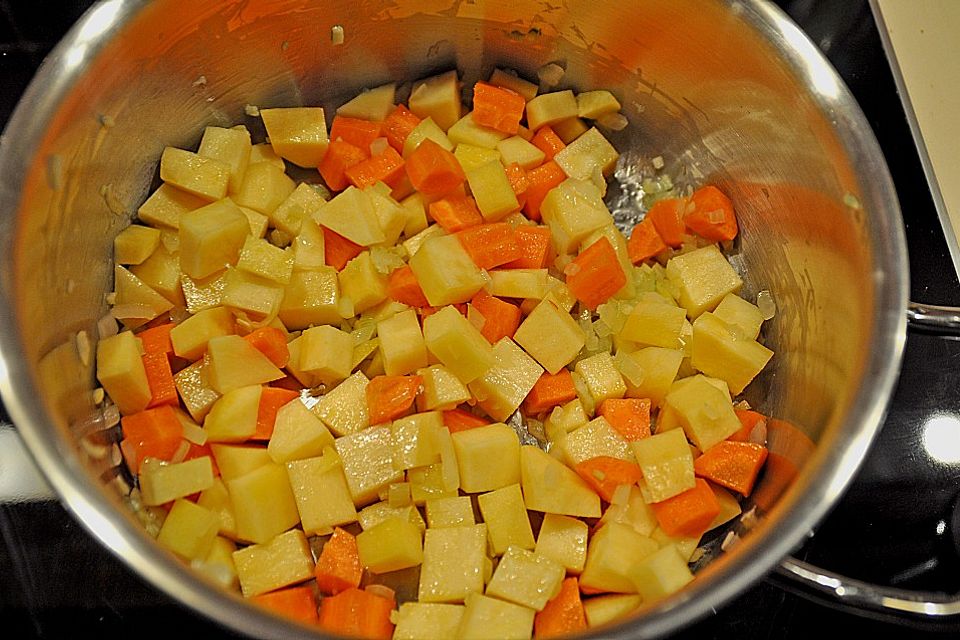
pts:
pixel 442 367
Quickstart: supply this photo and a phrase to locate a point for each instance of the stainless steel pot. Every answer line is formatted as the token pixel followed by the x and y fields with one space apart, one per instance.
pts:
pixel 730 91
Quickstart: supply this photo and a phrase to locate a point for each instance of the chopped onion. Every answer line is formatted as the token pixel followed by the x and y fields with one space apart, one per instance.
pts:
pixel 83 347
pixel 550 74
pixel 621 494
pixel 336 35
pixel 181 453
pixel 766 304
pixel 381 590
pixel 758 435
pixel 715 216
pixel 194 433
pixel 107 326
pixel 378 146
pixel 251 110
pixel 731 539
pixel 657 163
pixel 614 121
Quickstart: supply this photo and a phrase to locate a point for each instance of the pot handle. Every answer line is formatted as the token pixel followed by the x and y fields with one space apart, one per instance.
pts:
pixel 929 318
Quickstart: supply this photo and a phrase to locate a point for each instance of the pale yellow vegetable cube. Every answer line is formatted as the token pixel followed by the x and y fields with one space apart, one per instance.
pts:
pixel 235 461
pixel 194 389
pixel 391 216
pixel 265 187
pixel 564 419
pixel 263 503
pixel 326 353
pixel 517 150
pixel 719 351
pixel 135 303
pixel 593 104
pixel 402 344
pixel 551 336
pixel 120 371
pixel 552 487
pixel 526 578
pixel 442 390
pixel 437 97
pixel 260 258
pixel 744 317
pixel 650 373
pixel 230 146
pixel 161 482
pixel 602 610
pixel 488 457
pixel 203 293
pixel 508 524
pixel 362 283
pixel 278 562
pixel 211 238
pixel 217 500
pixel 445 271
pixel 611 555
pixel 165 206
pixel 449 467
pixel 601 377
pixel 703 277
pixel 235 363
pixel 661 573
pixel 470 156
pixel 134 244
pixel 587 154
pixel 233 417
pixel 429 482
pixel 263 152
pixel 666 463
pixel 161 272
pixel 551 108
pixel 492 191
pixel 307 380
pixel 309 247
pixel 412 245
pixel 654 324
pixel 218 565
pixel 298 134
pixel 189 530
pixel 399 495
pixel 449 512
pixel 351 214
pixel 564 540
pixel 320 489
pixel 367 458
pixel 458 344
pixel 392 545
pixel 508 80
pixel 729 507
pixel 297 434
pixel 594 439
pixel 485 618
pixel 453 559
pixel 297 207
pixel 375 104
pixel 258 222
pixel 427 621
pixel 372 515
pixel 426 130
pixel 250 295
pixel 705 412
pixel 344 409
pixel 503 387
pixel 415 211
pixel 467 131
pixel 311 298
pixel 683 544
pixel 203 177
pixel 570 129
pixel 573 210
pixel 519 283
pixel 415 440
pixel 629 508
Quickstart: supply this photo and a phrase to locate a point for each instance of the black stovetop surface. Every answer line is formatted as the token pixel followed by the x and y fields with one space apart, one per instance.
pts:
pixel 897 525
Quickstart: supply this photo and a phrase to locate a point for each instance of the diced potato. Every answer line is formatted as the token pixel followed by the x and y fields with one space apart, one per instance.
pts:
pixel 551 108
pixel 705 413
pixel 233 417
pixel 449 512
pixel 344 410
pixel 392 545
pixel 601 377
pixel 362 283
pixel 367 458
pixel 258 222
pixel 612 553
pixel 311 298
pixel 574 210
pixel 467 131
pixel 632 511
pixel 428 483
pixel 320 488
pixel 218 565
pixel 415 440
pixel 507 80
pixel 570 129
pixel 458 344
pixel 235 363
pixel 596 438
pixel 656 370
pixel 426 621
pixel 503 387
pixel 370 516
pixel 654 324
pixel 326 353
pixel 413 244
pixel 415 212
pixel 587 154
pixel 235 461
pixel 449 467
pixel 729 507
pixel 703 277
pixel 217 500
pixel 203 293
pixel 564 540
pixel 161 272
pixel 564 419
pixel 426 130
pixel 719 351
pixel 551 336
pixel 374 104
pixel 161 483
pixel 279 562
pixel 666 463
pixel 437 97
pixel 251 295
pixel 402 344
pixel 488 457
pixel 661 573
pixel 684 545
pixel 740 314
pixel 526 578
pixel 445 271
pixel 189 530
pixel 141 302
pixel 297 434
pixel 120 371
pixel 265 187
pixel 593 104
pixel 391 216
pixel 453 559
pixel 260 258
pixel 552 487
pixel 203 177
pixel 517 150
pixel 442 390
pixel 263 503
pixel 470 156
pixel 263 152
pixel 519 283
pixel 492 191
pixel 211 238
pixel 351 214
pixel 298 134
pixel 134 244
pixel 165 206
pixel 507 522
pixel 485 618
pixel 309 247
pixel 230 146
pixel 194 389
pixel 604 609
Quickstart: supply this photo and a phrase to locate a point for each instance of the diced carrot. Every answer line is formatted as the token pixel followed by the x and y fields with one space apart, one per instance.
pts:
pixel 497 108
pixel 398 126
pixel 390 397
pixel 500 318
pixel 455 213
pixel 490 245
pixel 271 399
pixel 402 188
pixel 688 514
pixel 402 286
pixel 338 567
pixel 152 433
pixel 644 242
pixel 163 390
pixel 712 216
pixel 337 250
pixel 433 170
pixel 461 420
pixel 629 416
pixel 563 614
pixel 534 248
pixel 748 421
pixel 157 339
pixel 340 156
pixel 386 167
pixel 203 451
pixel 550 391
pixel 605 474
pixel 517 176
pixel 733 465
pixel 271 342
pixel 548 141
pixel 295 603
pixel 595 274
pixel 542 180
pixel 357 613
pixel 667 218
pixel 287 382
pixel 360 133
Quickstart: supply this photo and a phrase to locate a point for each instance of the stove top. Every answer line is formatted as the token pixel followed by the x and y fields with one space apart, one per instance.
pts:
pixel 898 525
